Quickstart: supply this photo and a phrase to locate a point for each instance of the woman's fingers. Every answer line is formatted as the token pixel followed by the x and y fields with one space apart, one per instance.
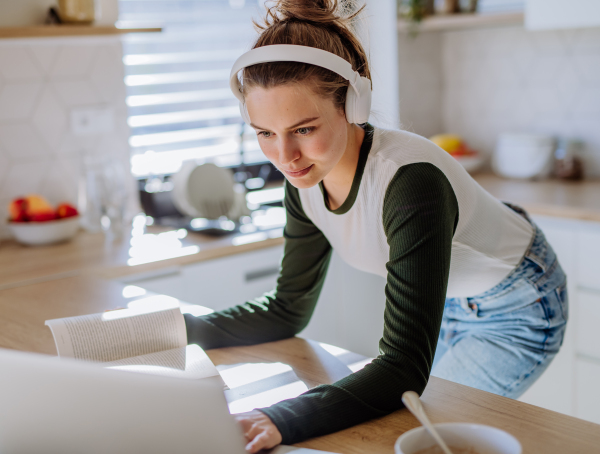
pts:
pixel 261 441
pixel 253 431
pixel 259 431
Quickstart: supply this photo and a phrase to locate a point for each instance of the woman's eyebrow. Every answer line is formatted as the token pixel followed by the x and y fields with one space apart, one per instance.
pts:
pixel 306 120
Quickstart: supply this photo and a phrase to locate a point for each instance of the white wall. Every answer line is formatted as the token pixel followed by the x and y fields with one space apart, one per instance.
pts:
pixel 41 82
pixel 383 52
pixel 480 83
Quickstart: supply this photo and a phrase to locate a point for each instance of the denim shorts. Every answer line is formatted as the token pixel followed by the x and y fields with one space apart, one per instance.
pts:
pixel 503 339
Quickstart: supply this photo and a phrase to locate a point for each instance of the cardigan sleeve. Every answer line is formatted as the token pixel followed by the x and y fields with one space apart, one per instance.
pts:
pixel 283 312
pixel 420 214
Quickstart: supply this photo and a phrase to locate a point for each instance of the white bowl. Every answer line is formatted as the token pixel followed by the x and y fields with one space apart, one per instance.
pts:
pixel 471 163
pixel 47 232
pixel 482 439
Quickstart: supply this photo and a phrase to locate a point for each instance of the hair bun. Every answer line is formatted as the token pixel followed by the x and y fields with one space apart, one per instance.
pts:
pixel 316 11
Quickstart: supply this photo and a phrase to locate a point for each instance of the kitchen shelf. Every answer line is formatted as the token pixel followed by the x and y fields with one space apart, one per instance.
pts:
pixel 463 21
pixel 45 31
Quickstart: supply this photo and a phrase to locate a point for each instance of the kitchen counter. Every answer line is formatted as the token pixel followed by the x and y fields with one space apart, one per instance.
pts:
pixel 90 254
pixel 25 308
pixel 575 200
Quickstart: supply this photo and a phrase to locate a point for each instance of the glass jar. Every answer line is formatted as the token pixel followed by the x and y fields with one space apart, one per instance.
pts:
pixel 76 11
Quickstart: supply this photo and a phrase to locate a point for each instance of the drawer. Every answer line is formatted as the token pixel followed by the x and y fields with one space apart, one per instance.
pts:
pixel 229 281
pixel 168 281
pixel 588 390
pixel 588 255
pixel 588 323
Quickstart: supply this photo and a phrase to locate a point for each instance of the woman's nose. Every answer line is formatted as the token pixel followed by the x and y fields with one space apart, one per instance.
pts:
pixel 288 151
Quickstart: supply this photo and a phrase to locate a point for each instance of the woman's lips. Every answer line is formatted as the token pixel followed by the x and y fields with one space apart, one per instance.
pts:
pixel 299 173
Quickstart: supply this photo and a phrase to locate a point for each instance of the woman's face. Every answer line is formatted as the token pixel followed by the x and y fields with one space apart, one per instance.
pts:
pixel 303 134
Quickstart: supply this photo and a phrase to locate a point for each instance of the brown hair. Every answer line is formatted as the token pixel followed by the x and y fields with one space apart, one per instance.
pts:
pixel 313 23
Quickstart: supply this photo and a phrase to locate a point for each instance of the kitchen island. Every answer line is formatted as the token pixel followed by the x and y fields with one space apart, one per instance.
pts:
pixel 25 308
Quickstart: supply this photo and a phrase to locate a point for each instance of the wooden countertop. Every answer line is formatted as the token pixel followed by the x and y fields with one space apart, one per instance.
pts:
pixel 90 254
pixel 574 200
pixel 24 310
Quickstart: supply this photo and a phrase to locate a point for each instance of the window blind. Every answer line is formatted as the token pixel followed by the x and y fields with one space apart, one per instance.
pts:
pixel 179 103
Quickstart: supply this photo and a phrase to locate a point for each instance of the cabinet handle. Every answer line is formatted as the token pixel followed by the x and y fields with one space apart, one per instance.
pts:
pixel 260 274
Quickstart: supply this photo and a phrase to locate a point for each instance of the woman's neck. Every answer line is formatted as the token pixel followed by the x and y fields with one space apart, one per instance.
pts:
pixel 338 182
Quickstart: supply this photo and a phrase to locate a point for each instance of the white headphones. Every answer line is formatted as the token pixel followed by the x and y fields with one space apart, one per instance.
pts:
pixel 358 99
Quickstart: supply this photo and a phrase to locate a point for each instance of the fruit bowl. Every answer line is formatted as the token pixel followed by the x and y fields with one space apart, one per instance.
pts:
pixel 46 232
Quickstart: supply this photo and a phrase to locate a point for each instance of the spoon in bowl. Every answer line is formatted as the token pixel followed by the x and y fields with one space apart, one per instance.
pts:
pixel 413 403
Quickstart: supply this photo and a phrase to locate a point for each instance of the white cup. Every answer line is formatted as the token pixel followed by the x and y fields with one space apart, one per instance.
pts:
pixel 482 439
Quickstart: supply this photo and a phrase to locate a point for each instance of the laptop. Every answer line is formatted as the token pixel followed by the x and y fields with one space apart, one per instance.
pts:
pixel 66 406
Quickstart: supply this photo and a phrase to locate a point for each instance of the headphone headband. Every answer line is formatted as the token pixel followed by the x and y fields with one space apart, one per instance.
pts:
pixel 358 100
pixel 291 52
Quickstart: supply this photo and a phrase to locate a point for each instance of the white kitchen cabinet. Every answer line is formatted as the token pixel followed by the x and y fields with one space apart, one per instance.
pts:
pixel 555 14
pixel 549 390
pixel 588 251
pixel 218 283
pixel 228 281
pixel 571 383
pixel 588 324
pixel 349 313
pixel 587 390
pixel 166 281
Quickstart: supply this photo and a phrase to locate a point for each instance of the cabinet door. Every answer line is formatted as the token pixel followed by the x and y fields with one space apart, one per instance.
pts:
pixel 588 251
pixel 168 281
pixel 229 281
pixel 553 389
pixel 588 339
pixel 349 313
pixel 587 390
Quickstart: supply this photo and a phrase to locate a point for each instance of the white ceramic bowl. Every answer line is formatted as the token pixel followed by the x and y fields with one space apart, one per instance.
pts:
pixel 470 163
pixel 47 232
pixel 482 439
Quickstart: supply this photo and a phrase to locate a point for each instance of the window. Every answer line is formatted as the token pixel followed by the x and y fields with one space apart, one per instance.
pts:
pixel 180 105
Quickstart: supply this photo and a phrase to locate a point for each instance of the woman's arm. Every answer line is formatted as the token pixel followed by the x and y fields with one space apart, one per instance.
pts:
pixel 283 312
pixel 420 214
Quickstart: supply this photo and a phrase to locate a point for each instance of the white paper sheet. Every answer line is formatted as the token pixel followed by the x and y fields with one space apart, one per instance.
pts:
pixel 114 335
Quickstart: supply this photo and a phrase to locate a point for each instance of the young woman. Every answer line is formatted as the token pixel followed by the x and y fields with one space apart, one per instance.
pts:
pixel 474 292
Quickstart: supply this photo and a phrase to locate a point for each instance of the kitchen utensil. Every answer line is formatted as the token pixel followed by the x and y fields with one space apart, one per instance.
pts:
pixel 205 191
pixel 46 232
pixel 463 437
pixel 525 156
pixel 413 403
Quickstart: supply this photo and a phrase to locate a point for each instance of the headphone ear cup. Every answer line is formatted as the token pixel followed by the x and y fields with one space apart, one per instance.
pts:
pixel 351 104
pixel 358 105
pixel 244 113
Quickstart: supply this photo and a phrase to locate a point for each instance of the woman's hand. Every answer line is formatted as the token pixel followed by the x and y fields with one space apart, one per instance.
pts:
pixel 259 430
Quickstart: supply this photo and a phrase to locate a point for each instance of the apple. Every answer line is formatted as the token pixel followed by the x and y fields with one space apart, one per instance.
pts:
pixel 66 210
pixel 17 210
pixel 43 216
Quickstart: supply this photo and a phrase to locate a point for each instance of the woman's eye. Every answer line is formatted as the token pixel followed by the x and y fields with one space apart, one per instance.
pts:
pixel 265 134
pixel 304 131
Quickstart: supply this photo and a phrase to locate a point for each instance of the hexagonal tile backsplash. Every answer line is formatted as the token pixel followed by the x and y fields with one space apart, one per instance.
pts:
pixel 41 81
pixel 481 83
